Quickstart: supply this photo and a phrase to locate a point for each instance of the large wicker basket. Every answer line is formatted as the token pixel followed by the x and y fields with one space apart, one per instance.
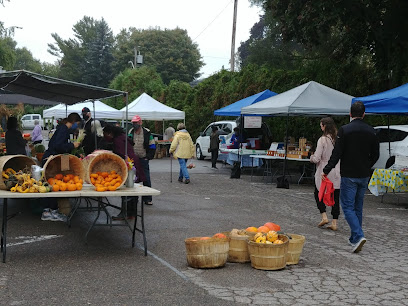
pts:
pixel 64 164
pixel 268 256
pixel 15 162
pixel 104 161
pixel 295 249
pixel 211 253
pixel 238 248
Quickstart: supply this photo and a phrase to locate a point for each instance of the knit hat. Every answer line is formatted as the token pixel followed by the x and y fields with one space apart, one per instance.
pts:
pixel 136 118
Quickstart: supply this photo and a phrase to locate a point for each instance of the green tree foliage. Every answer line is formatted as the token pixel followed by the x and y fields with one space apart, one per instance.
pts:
pixel 7 52
pixel 136 82
pixel 171 52
pixel 26 61
pixel 87 58
pixel 342 30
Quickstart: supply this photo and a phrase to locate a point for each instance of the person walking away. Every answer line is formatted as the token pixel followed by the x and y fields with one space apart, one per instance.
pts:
pixel 182 148
pixel 324 148
pixel 88 143
pixel 357 148
pixel 116 136
pixel 15 143
pixel 36 134
pixel 59 144
pixel 144 147
pixel 214 146
pixel 169 132
pixel 96 128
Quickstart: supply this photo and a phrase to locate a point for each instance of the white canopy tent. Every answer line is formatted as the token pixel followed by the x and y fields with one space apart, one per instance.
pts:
pixel 100 111
pixel 310 98
pixel 150 109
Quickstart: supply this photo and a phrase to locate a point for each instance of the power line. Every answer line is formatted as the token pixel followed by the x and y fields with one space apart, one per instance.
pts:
pixel 213 19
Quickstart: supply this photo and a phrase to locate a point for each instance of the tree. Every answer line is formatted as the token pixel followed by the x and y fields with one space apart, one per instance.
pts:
pixel 171 52
pixel 136 82
pixel 345 29
pixel 87 58
pixel 7 54
pixel 26 61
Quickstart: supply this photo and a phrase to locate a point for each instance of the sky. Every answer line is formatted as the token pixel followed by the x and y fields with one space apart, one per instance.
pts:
pixel 208 22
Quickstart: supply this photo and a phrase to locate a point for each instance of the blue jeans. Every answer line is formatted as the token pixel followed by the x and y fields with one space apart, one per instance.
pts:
pixel 183 169
pixel 352 192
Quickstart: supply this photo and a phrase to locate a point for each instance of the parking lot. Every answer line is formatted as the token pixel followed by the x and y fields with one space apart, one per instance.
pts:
pixel 49 263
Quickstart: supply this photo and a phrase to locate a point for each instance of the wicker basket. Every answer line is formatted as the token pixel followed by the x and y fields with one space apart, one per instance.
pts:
pixel 17 163
pixel 64 164
pixel 238 248
pixel 295 249
pixel 268 256
pixel 210 253
pixel 104 161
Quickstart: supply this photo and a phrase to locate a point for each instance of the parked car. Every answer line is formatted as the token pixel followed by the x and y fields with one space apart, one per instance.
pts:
pixel 27 121
pixel 225 130
pixel 203 141
pixel 396 139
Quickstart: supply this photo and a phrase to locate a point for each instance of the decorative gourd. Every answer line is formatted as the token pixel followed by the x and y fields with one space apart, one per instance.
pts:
pixel 272 236
pixel 278 241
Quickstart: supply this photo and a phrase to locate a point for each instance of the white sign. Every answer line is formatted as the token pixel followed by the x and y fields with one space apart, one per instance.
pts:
pixel 252 122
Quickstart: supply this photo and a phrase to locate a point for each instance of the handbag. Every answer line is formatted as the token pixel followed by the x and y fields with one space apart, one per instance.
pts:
pixel 282 182
pixel 236 170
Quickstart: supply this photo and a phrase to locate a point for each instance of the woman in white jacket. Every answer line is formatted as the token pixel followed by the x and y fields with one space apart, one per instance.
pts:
pixel 321 156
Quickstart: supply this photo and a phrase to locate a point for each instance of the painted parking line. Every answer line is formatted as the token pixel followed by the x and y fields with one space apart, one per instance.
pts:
pixel 32 239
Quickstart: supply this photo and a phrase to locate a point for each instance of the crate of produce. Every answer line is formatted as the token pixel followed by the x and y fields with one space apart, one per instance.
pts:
pixel 16 163
pixel 103 161
pixel 295 248
pixel 269 256
pixel 238 246
pixel 63 164
pixel 206 252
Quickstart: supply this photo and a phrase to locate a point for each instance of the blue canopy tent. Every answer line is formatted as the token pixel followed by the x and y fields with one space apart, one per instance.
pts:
pixel 234 109
pixel 393 101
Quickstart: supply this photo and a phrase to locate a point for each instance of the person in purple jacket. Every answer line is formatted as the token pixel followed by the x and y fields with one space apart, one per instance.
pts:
pixel 115 140
pixel 36 135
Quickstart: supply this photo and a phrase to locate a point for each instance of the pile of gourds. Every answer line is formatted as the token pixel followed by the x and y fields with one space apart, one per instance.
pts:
pixel 23 182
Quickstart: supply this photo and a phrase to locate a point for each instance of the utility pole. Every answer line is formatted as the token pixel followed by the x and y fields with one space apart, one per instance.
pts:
pixel 135 62
pixel 234 28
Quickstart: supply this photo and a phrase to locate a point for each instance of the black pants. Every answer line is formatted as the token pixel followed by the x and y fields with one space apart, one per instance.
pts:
pixel 335 211
pixel 214 157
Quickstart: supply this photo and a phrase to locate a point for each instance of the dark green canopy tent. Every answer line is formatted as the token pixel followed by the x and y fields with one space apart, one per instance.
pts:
pixel 51 89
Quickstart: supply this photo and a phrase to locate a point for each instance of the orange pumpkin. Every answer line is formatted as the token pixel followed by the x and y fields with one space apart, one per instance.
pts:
pixel 59 176
pixel 263 229
pixel 252 229
pixel 272 226
pixel 219 235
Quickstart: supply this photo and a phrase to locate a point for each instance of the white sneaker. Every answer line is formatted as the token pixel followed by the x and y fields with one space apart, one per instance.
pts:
pixel 357 247
pixel 47 215
pixel 58 217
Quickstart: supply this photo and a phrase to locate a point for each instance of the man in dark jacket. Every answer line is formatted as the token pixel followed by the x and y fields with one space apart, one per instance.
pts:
pixel 214 146
pixel 357 148
pixel 145 148
pixel 90 142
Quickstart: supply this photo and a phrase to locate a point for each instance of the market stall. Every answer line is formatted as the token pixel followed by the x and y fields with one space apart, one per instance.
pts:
pixel 309 99
pixel 86 192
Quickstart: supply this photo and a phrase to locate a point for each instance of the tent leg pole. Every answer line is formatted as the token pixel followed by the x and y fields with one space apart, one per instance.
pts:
pixel 286 146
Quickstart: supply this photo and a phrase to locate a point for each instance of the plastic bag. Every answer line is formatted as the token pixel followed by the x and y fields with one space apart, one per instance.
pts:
pixel 36 172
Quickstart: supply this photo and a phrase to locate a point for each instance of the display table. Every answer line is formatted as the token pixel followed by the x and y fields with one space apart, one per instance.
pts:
pixel 244 154
pixel 382 179
pixel 269 165
pixel 87 192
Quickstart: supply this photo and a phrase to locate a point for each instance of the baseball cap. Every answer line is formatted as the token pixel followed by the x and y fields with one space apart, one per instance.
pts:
pixel 85 110
pixel 136 118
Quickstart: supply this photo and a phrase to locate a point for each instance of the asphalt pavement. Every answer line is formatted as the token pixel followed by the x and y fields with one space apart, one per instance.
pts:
pixel 49 263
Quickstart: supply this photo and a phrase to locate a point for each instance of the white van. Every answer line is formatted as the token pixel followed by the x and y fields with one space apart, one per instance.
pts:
pixel 27 121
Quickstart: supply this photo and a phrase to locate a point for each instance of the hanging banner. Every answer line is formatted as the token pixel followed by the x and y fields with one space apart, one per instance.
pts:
pixel 252 122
